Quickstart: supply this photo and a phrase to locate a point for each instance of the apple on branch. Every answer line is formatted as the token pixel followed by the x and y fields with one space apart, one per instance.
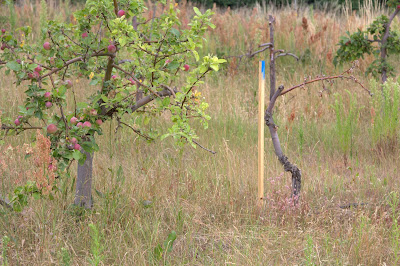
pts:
pixel 46 46
pixel 51 129
pixel 121 13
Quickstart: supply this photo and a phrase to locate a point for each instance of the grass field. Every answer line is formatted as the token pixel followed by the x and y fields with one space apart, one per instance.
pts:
pixel 346 147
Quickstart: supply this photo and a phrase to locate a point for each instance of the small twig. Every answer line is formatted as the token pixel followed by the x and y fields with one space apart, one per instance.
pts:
pixel 64 119
pixel 184 99
pixel 5 127
pixel 136 131
pixel 132 76
pixel 204 148
pixel 124 61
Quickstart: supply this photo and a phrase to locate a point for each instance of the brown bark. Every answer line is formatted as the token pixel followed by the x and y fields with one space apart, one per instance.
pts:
pixel 83 193
pixel 287 165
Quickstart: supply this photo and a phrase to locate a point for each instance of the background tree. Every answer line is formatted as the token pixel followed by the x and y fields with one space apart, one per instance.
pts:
pixel 134 62
pixel 356 45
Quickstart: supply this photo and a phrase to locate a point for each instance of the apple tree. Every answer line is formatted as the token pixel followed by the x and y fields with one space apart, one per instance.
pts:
pixel 133 62
pixel 356 45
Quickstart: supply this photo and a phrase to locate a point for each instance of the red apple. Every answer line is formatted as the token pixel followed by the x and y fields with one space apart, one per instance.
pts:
pixel 73 120
pixel 77 147
pixel 46 46
pixel 398 7
pixel 84 35
pixel 47 95
pixel 121 13
pixel 167 61
pixel 51 129
pixel 17 122
pixel 3 31
pixel 111 48
pixel 87 124
pixel 74 141
pixel 30 75
pixel 80 124
pixel 3 46
pixel 99 122
pixel 38 69
pixel 186 66
pixel 48 104
pixel 18 61
pixel 36 74
pixel 132 81
pixel 68 83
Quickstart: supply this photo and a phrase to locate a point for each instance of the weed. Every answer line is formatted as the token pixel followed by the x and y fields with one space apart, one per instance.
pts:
pixel 393 201
pixel 346 123
pixel 309 252
pixel 385 116
pixel 96 246
pixel 5 240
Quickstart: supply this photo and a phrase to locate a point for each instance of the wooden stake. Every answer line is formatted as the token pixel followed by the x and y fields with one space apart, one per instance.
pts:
pixel 261 104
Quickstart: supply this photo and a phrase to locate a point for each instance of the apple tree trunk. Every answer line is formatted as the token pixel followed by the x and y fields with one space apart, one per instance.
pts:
pixel 83 193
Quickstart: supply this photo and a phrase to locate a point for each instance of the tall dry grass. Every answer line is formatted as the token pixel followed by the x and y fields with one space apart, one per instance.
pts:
pixel 144 191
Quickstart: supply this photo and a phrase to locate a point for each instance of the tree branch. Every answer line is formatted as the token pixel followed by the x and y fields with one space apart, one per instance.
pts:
pixel 204 148
pixel 341 76
pixel 285 54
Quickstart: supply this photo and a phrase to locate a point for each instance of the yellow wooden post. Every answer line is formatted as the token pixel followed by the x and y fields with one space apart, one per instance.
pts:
pixel 261 104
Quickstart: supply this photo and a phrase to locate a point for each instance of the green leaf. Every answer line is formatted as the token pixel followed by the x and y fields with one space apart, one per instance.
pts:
pixel 215 67
pixel 36 195
pixel 173 65
pixel 170 241
pixel 76 155
pixel 197 11
pixel 158 252
pixel 94 82
pixel 146 120
pixel 13 65
pixel 175 32
pixel 196 55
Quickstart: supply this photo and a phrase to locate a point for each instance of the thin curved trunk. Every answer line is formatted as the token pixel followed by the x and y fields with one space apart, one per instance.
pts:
pixel 287 165
pixel 83 193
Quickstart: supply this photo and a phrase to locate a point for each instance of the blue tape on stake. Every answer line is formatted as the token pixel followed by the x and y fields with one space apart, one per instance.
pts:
pixel 263 69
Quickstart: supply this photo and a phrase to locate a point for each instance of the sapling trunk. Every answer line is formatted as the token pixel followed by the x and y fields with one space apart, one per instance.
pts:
pixel 272 68
pixel 274 94
pixel 287 165
pixel 83 193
